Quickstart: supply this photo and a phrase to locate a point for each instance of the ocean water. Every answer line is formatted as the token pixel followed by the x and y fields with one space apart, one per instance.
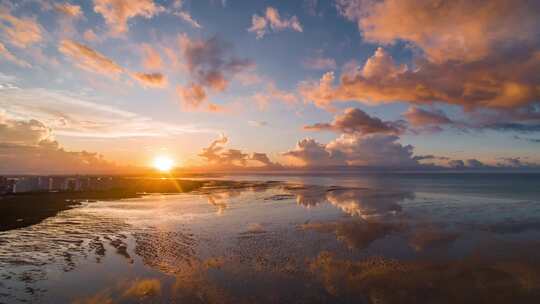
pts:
pixel 372 238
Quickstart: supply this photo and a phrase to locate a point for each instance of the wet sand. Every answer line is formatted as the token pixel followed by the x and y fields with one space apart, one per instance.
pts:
pixel 268 242
pixel 25 209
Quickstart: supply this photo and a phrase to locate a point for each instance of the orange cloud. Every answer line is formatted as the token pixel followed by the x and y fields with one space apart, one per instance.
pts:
pixel 70 10
pixel 151 58
pixel 20 32
pixel 486 59
pixel 260 24
pixel 446 30
pixel 156 80
pixel 192 96
pixel 88 59
pixel 117 12
pixel 4 52
pixel 28 147
pixel 90 35
pixel 493 83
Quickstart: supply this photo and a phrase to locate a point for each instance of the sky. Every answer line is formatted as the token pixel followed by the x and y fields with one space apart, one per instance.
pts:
pixel 105 85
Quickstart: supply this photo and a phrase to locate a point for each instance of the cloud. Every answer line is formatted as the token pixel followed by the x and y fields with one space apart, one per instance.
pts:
pixel 446 30
pixel 4 52
pixel 184 14
pixel 210 66
pixel 118 12
pixel 80 116
pixel 187 18
pixel 354 120
pixel 216 155
pixel 22 132
pixel 505 82
pixel 28 147
pixel 155 80
pixel 320 63
pixel 88 59
pixel 456 62
pixel 209 62
pixel 308 152
pixel 91 60
pixel 420 117
pixel 70 10
pixel 261 25
pixel 91 36
pixel 20 32
pixel 151 58
pixel 272 93
pixel 192 96
pixel 376 150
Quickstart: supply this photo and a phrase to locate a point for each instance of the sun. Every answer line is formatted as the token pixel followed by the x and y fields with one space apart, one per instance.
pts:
pixel 163 163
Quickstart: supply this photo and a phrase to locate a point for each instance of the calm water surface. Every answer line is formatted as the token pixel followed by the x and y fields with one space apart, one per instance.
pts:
pixel 411 238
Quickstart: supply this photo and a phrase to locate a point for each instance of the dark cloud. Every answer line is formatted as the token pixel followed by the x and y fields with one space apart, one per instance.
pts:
pixel 418 117
pixel 354 120
pixel 210 66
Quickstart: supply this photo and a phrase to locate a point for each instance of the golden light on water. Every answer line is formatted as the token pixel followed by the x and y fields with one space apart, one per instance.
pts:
pixel 163 163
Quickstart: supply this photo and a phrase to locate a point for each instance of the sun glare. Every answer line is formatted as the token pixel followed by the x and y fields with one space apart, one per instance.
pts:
pixel 163 163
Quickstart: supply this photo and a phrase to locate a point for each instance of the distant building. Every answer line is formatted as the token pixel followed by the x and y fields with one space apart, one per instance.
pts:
pixel 27 184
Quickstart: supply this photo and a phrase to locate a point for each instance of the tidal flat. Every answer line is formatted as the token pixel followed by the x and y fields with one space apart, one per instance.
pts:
pixel 295 240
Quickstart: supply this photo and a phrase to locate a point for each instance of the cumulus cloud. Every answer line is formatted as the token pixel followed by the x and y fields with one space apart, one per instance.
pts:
pixel 217 155
pixel 261 25
pixel 310 153
pixel 22 132
pixel 117 13
pixel 28 147
pixel 505 82
pixel 155 80
pixel 445 30
pixel 6 54
pixel 20 32
pixel 456 61
pixel 354 120
pixel 210 66
pixel 89 59
pixel 376 150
